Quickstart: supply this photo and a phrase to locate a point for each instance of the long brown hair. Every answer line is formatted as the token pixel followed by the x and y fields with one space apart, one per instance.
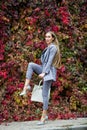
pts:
pixel 57 59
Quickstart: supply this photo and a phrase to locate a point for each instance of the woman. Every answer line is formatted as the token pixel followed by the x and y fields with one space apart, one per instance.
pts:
pixel 50 60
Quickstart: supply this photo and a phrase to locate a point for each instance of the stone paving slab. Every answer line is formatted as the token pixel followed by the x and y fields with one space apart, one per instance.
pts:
pixel 71 124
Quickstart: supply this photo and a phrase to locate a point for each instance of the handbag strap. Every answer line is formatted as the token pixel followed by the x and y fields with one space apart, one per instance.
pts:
pixel 37 86
pixel 40 82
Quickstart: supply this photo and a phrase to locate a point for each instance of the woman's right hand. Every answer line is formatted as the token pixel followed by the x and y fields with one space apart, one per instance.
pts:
pixel 41 75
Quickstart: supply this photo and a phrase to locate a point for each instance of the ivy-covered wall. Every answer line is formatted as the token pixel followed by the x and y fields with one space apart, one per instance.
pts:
pixel 23 24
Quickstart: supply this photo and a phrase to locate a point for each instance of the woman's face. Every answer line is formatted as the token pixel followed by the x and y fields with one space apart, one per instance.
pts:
pixel 48 38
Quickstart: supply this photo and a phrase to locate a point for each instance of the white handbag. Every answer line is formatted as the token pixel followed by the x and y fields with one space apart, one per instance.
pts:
pixel 37 93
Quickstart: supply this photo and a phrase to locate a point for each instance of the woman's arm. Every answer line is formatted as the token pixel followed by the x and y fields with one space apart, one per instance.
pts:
pixel 52 52
pixel 41 75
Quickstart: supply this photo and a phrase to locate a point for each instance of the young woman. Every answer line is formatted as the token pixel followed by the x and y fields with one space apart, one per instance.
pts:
pixel 50 60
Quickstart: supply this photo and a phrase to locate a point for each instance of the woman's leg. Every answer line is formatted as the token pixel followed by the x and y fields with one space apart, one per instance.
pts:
pixel 32 67
pixel 45 92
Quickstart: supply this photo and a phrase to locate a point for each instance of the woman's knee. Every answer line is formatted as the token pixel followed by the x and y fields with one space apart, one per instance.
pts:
pixel 30 64
pixel 44 95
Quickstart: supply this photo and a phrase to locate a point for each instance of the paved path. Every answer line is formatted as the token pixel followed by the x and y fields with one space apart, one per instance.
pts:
pixel 72 124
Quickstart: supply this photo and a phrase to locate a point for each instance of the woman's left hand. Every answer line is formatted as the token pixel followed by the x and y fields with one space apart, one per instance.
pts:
pixel 41 75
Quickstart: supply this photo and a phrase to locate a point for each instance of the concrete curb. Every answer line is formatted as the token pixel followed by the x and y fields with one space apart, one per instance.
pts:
pixel 72 124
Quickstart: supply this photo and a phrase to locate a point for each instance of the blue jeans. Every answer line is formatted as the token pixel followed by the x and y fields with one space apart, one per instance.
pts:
pixel 33 67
